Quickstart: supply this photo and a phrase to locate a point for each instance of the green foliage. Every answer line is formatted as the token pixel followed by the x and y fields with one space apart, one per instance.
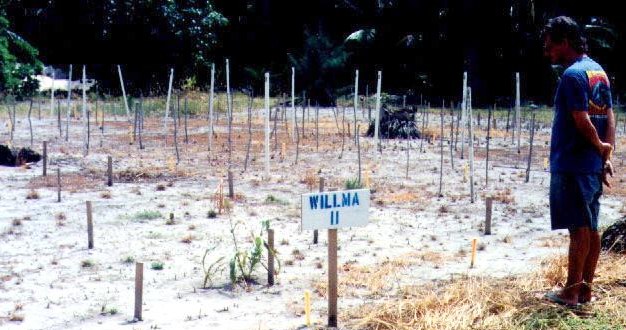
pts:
pixel 18 61
pixel 210 270
pixel 560 319
pixel 353 184
pixel 244 263
pixel 128 260
pixel 271 199
pixel 318 65
pixel 156 265
pixel 147 215
pixel 195 22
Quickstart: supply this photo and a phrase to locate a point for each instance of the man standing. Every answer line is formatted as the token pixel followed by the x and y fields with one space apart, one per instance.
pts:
pixel 583 133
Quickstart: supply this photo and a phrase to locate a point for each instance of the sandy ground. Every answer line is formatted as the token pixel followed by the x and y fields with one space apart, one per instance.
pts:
pixel 49 278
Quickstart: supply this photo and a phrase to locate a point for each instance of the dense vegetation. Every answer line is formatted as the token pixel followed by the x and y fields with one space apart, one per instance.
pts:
pixel 421 46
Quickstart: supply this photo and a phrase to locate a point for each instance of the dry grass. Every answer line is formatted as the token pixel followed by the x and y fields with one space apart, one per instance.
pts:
pixel 374 278
pixel 32 194
pixel 510 303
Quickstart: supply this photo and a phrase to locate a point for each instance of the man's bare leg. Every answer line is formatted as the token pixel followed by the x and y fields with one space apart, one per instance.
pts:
pixel 589 269
pixel 578 252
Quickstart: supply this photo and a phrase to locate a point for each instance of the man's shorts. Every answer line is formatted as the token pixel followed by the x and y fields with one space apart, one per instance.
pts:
pixel 574 200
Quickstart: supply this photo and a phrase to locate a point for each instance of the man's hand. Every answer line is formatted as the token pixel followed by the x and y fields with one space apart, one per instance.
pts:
pixel 606 150
pixel 607 170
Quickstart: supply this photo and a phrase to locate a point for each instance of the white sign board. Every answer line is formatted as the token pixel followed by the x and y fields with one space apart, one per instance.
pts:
pixel 335 209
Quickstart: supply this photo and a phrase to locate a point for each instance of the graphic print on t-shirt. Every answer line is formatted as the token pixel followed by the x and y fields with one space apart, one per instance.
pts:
pixel 600 97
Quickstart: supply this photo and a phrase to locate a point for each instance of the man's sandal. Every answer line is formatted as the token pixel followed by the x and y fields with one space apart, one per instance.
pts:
pixel 554 297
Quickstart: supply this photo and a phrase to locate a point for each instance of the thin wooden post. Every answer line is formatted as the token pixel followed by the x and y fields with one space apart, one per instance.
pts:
pixel 377 111
pixel 530 150
pixel 30 123
pixel 332 278
pixel 89 226
pixel 231 190
pixel 356 100
pixel 69 103
pixel 518 120
pixel 358 149
pixel 488 139
pixel 167 104
pixel 58 185
pixel 59 118
pixel 317 128
pixel 45 158
pixel 85 114
pixel 443 106
pixel 267 124
pixel 138 290
pixel 293 103
pixel 270 257
pixel 186 118
pixel 109 171
pixel 463 115
pixel 471 143
pixel 119 71
pixel 175 117
pixel 211 99
pixel 488 203
pixel 474 241
pixel 452 135
pixel 315 232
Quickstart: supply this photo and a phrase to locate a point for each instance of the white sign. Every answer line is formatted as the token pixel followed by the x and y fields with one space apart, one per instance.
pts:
pixel 335 209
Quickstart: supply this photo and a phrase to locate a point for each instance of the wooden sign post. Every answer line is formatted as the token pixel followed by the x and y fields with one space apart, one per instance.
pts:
pixel 333 210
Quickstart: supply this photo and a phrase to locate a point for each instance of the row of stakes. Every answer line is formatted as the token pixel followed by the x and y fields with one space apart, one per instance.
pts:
pixel 332 306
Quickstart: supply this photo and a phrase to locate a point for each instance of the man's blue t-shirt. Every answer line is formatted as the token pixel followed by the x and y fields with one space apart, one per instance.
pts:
pixel 584 86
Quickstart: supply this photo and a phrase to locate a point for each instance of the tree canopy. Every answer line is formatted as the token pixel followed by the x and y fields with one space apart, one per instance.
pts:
pixel 422 47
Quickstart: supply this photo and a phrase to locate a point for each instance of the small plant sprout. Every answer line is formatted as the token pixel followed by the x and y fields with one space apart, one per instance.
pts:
pixel 156 265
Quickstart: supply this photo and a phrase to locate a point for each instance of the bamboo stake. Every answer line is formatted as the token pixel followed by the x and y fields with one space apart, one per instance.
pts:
pixel 119 71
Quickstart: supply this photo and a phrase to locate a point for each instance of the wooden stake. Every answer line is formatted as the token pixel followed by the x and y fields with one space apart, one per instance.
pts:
pixel 176 119
pixel 89 226
pixel 293 103
pixel 315 232
pixel 186 118
pixel 245 164
pixel 267 125
pixel 474 241
pixel 471 143
pixel 488 203
pixel 530 148
pixel 231 190
pixel 488 139
pixel 45 158
pixel 211 99
pixel 30 123
pixel 58 185
pixel 452 135
pixel 270 257
pixel 52 95
pixel 377 111
pixel 358 149
pixel 119 71
pixel 138 290
pixel 167 103
pixel 69 104
pixel 518 122
pixel 317 128
pixel 356 100
pixel 109 171
pixel 332 278
pixel 463 115
pixel 85 114
pixel 443 106
pixel 307 307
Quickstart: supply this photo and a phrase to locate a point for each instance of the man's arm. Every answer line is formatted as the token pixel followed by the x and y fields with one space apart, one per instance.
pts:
pixel 610 128
pixel 586 128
